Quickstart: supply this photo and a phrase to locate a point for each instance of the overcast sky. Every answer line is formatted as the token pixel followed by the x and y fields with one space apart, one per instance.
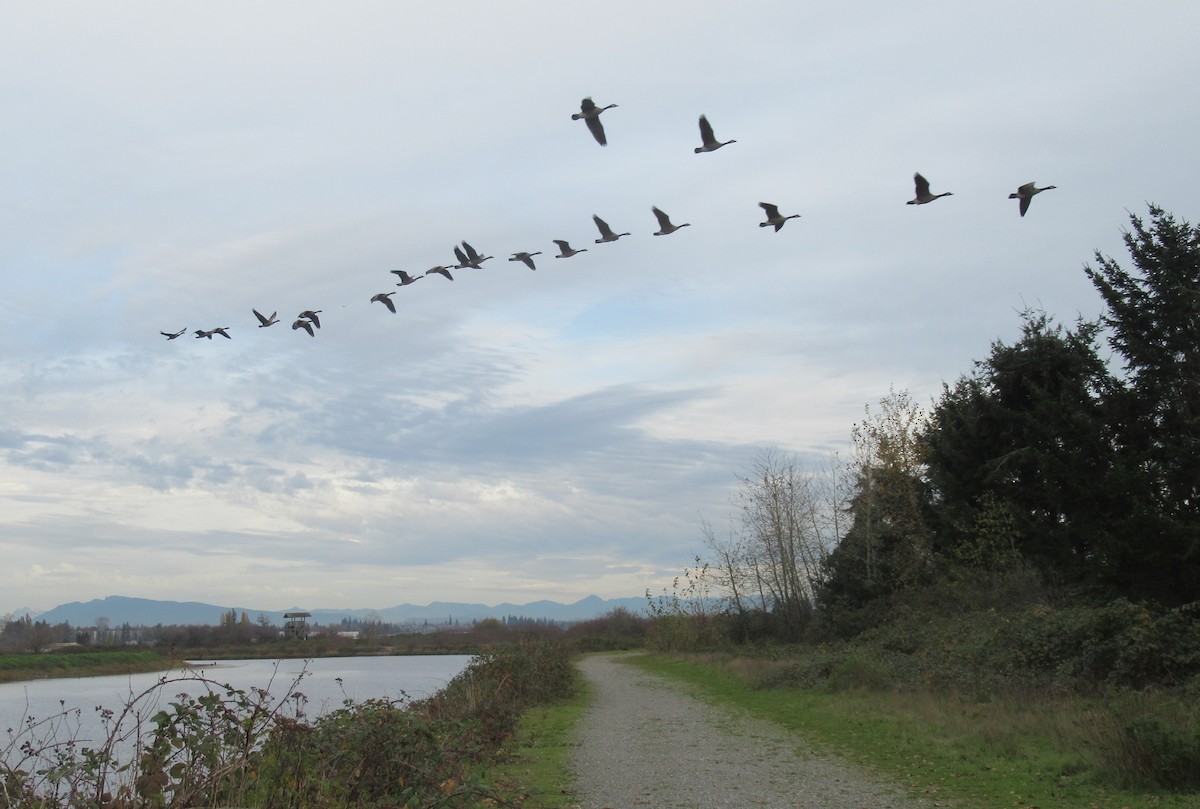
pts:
pixel 516 435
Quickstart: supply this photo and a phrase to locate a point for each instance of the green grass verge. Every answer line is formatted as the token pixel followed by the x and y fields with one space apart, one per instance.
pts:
pixel 539 754
pixel 996 755
pixel 78 664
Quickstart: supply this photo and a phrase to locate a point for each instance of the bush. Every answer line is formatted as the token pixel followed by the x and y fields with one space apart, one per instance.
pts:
pixel 1149 743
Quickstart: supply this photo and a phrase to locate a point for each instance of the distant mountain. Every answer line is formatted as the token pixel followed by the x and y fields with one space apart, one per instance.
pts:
pixel 120 610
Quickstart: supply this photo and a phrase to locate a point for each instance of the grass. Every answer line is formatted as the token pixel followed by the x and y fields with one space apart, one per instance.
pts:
pixel 15 667
pixel 1001 754
pixel 539 753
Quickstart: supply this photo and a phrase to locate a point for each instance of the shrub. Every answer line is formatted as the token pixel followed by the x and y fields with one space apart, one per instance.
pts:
pixel 1148 745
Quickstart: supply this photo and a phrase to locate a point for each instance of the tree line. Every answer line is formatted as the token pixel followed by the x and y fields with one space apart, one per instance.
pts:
pixel 1066 462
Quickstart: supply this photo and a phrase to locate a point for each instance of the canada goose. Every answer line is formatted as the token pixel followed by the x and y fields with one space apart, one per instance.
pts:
pixel 923 196
pixel 1026 193
pixel 526 257
pixel 565 250
pixel 221 330
pixel 590 114
pixel 386 299
pixel 304 324
pixel 263 321
pixel 173 335
pixel 711 144
pixel 773 216
pixel 606 233
pixel 311 314
pixel 440 270
pixel 405 278
pixel 664 223
pixel 469 258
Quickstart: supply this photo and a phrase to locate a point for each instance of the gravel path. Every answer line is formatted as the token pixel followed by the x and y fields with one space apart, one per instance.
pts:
pixel 645 742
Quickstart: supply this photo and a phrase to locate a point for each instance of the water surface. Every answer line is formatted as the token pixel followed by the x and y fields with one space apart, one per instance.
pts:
pixel 74 707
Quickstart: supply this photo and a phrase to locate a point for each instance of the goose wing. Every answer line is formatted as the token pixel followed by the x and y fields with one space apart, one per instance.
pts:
pixel 603 227
pixel 706 130
pixel 922 185
pixel 597 129
pixel 772 210
pixel 664 221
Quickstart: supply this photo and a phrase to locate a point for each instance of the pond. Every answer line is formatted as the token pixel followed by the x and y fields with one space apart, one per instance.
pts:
pixel 75 708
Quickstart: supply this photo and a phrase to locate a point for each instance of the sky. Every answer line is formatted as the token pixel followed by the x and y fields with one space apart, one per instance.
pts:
pixel 518 435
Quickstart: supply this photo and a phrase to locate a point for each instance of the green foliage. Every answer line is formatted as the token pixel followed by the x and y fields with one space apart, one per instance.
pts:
pixel 1153 315
pixel 687 617
pixel 1020 453
pixel 888 546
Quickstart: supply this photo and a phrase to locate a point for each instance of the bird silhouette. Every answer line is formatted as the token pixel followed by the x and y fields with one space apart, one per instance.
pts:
pixel 468 257
pixel 221 330
pixel 440 270
pixel 565 250
pixel 264 321
pixel 310 314
pixel 1026 193
pixel 923 196
pixel 590 113
pixel 527 258
pixel 386 299
pixel 405 278
pixel 664 223
pixel 173 335
pixel 606 233
pixel 709 141
pixel 774 217
pixel 304 324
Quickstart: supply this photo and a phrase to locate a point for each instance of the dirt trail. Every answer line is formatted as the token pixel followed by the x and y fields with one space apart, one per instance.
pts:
pixel 645 742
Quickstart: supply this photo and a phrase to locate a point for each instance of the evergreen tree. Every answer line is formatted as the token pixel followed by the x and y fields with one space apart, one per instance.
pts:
pixel 1026 436
pixel 1153 315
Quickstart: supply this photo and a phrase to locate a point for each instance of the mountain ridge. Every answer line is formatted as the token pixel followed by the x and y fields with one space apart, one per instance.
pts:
pixel 135 611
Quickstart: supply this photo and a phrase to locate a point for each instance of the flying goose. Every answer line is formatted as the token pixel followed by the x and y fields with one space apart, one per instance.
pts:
pixel 173 335
pixel 664 223
pixel 774 217
pixel 405 278
pixel 711 144
pixel 923 196
pixel 386 299
pixel 310 314
pixel 221 330
pixel 440 270
pixel 606 233
pixel 304 324
pixel 264 321
pixel 1026 194
pixel 527 258
pixel 565 250
pixel 469 258
pixel 590 114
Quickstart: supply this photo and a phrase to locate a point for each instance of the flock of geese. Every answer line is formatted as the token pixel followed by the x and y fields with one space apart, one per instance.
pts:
pixel 468 257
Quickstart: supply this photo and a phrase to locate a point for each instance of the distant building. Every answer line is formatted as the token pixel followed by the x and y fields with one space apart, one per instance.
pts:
pixel 294 625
